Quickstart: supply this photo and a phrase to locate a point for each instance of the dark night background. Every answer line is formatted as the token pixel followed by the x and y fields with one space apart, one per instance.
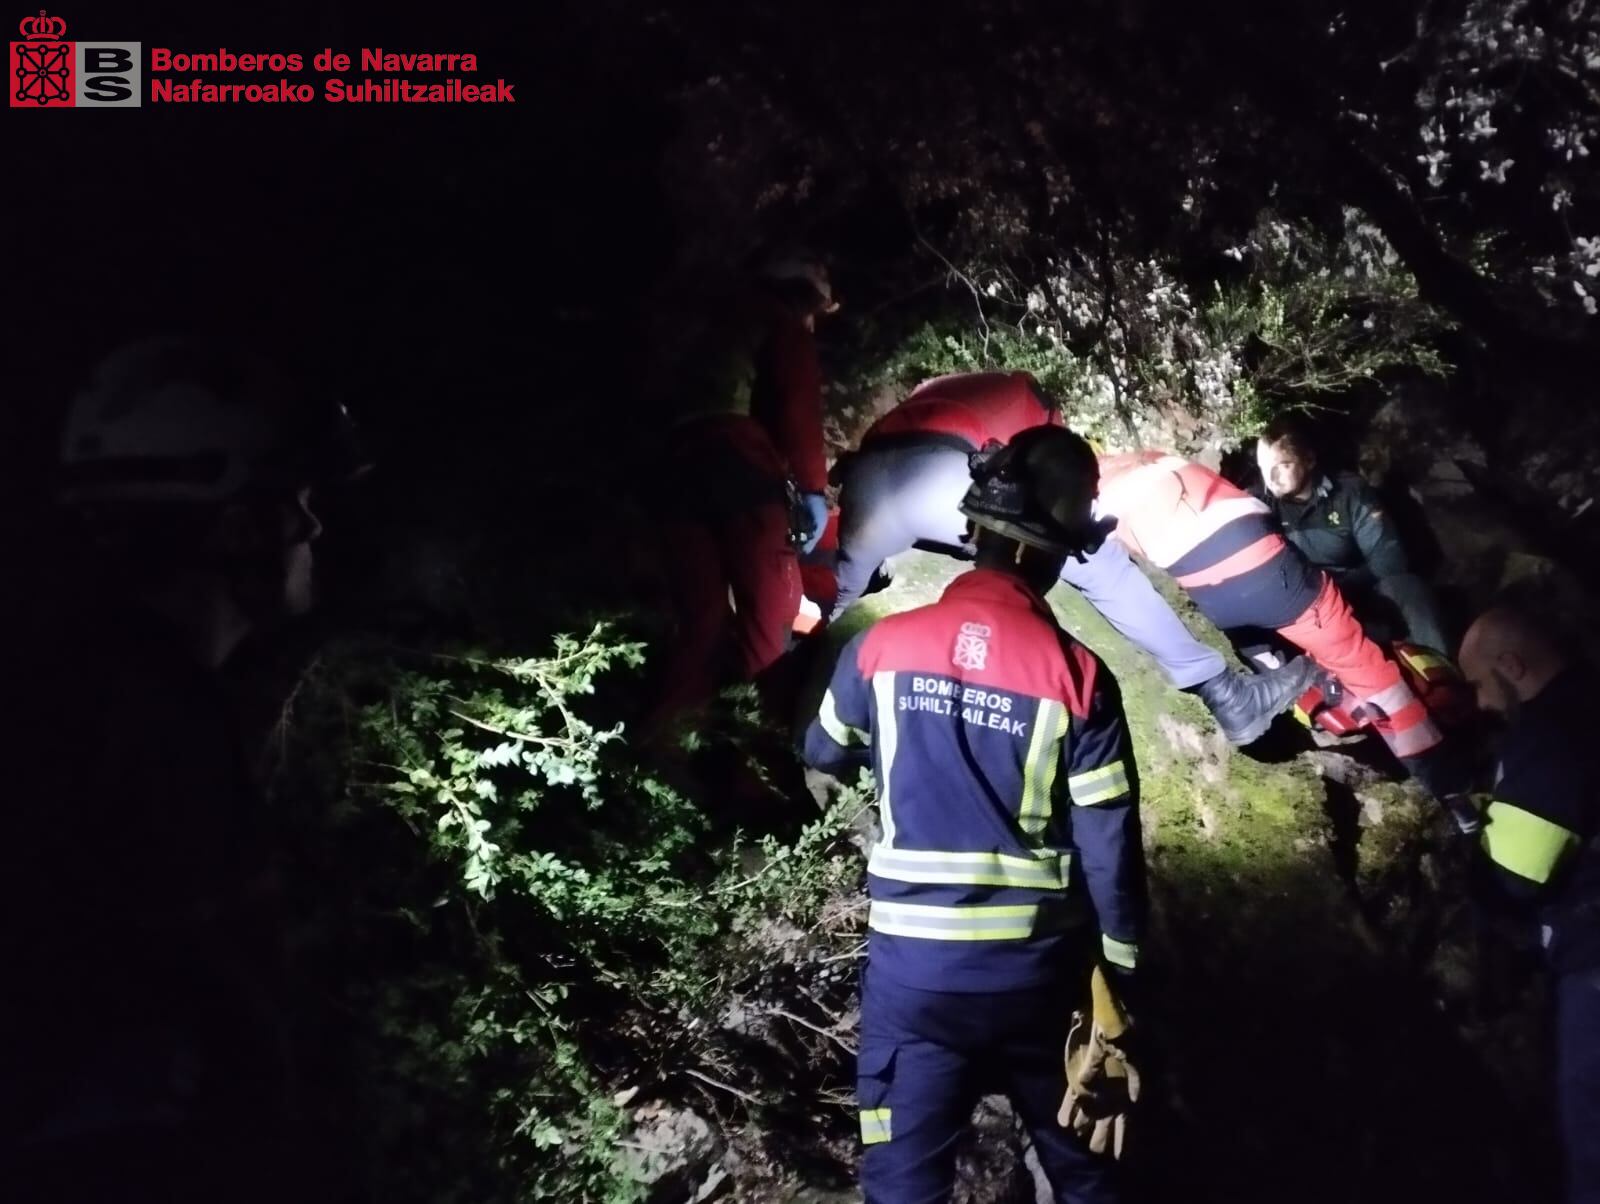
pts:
pixel 494 290
pixel 458 274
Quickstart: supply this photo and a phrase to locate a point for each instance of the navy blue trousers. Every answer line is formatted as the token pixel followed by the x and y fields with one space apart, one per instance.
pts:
pixel 1578 1081
pixel 926 1059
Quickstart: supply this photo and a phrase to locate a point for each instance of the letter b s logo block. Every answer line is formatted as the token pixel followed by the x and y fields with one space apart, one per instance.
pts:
pixel 109 75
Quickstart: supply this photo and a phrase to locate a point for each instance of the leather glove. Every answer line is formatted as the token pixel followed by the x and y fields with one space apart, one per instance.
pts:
pixel 1102 1084
pixel 817 509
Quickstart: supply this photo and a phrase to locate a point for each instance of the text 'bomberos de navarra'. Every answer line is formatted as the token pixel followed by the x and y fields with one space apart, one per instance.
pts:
pixel 182 78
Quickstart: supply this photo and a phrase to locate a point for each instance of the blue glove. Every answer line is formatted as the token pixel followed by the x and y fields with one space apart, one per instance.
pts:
pixel 817 511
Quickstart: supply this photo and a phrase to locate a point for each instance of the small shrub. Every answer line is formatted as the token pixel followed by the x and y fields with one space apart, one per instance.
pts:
pixel 519 919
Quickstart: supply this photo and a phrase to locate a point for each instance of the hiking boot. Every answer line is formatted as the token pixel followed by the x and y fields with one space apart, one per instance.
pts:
pixel 1244 704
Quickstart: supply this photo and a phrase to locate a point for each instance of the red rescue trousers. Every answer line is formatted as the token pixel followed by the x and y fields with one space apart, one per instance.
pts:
pixel 1329 631
pixel 1223 548
pixel 732 574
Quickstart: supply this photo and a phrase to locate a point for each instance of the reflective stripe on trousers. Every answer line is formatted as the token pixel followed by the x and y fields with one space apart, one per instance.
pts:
pixel 1328 630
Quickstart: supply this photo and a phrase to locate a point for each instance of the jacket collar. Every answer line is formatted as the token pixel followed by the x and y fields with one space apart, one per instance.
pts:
pixel 1001 589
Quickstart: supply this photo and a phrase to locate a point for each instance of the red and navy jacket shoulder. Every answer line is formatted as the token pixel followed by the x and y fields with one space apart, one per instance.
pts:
pixel 1541 838
pixel 975 407
pixel 1007 791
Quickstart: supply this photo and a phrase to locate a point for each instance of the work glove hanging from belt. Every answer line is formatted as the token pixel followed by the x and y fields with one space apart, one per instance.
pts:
pixel 1102 1084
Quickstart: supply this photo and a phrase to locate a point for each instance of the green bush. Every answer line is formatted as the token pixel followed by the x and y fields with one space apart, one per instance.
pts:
pixel 1142 353
pixel 518 920
pixel 1318 316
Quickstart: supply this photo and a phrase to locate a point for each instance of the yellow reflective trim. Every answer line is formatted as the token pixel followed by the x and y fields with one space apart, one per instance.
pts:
pixel 1300 714
pixel 838 730
pixel 875 1126
pixel 888 743
pixel 1423 661
pixel 1528 845
pixel 1099 785
pixel 1047 872
pixel 1039 771
pixel 1120 953
pixel 1005 922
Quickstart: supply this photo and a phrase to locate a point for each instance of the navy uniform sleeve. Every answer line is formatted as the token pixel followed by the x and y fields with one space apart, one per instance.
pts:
pixel 1535 821
pixel 838 740
pixel 1381 550
pixel 1103 783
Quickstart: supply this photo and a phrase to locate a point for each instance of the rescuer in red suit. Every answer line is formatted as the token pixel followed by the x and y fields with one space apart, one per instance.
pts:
pixel 747 481
pixel 1224 548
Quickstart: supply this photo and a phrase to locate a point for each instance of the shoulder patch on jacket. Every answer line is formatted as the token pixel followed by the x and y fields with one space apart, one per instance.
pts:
pixel 971 649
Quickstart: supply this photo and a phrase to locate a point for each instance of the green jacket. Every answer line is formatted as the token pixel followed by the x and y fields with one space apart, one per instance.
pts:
pixel 1343 528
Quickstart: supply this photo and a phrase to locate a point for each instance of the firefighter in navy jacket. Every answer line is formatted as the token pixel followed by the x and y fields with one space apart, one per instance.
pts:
pixel 1010 833
pixel 1539 856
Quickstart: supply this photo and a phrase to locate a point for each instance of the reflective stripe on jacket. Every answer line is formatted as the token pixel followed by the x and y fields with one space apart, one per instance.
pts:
pixel 1007 791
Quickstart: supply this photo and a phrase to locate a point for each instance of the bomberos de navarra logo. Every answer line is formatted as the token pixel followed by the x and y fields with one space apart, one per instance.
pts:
pixel 47 71
pixel 50 72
